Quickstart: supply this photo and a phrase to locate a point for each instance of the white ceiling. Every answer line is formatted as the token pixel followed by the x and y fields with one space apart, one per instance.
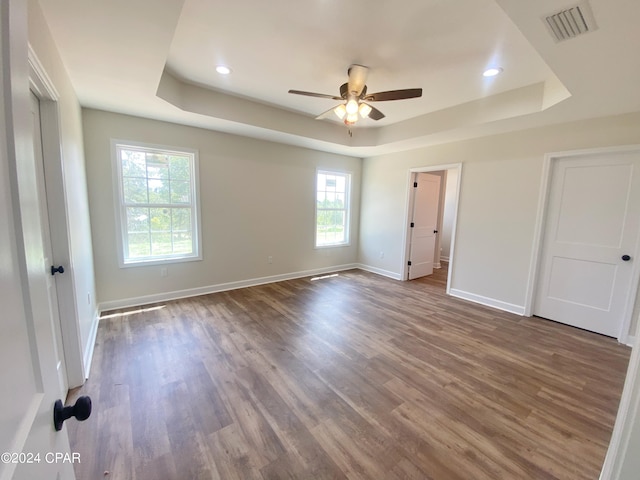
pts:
pixel 157 60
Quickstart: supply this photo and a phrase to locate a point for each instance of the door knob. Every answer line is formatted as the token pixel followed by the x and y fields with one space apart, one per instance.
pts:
pixel 55 270
pixel 626 258
pixel 81 410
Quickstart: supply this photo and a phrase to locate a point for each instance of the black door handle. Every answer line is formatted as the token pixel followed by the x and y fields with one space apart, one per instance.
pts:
pixel 626 258
pixel 55 270
pixel 81 410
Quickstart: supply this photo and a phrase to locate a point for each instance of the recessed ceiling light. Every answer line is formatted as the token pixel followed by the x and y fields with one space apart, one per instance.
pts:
pixel 492 72
pixel 223 70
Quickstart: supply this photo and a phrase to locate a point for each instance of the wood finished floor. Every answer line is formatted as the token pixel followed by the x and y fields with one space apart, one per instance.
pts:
pixel 354 376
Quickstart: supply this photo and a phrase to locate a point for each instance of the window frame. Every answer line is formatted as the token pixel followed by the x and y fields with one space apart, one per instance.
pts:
pixel 347 228
pixel 120 205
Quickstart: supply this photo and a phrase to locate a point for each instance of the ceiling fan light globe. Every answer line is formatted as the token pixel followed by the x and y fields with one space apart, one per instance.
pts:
pixel 364 110
pixel 340 111
pixel 352 107
pixel 352 118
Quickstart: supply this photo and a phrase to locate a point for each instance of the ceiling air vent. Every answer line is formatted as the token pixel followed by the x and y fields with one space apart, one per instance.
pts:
pixel 570 22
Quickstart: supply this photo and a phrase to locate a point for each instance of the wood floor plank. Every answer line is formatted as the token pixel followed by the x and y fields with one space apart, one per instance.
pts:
pixel 354 376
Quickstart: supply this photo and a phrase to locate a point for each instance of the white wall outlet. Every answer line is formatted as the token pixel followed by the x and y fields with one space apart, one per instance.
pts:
pixel 164 271
pixel 381 254
pixel 269 259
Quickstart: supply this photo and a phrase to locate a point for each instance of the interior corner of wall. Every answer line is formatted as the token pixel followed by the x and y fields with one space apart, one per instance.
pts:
pixel 554 92
pixel 169 89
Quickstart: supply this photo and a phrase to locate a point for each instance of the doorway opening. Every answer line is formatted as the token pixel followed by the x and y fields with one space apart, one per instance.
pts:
pixel 431 216
pixel 53 210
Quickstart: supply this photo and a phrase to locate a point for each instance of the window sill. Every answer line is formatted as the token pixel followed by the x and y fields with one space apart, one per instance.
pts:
pixel 159 261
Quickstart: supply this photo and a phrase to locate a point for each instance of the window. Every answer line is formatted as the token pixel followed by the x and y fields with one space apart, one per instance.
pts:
pixel 158 212
pixel 332 208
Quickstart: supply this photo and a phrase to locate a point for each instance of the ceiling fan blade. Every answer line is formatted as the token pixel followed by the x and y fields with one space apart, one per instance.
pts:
pixel 357 78
pixel 313 94
pixel 326 114
pixel 394 95
pixel 375 114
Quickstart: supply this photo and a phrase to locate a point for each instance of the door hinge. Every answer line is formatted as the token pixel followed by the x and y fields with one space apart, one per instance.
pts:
pixel 412 225
pixel 409 263
pixel 415 184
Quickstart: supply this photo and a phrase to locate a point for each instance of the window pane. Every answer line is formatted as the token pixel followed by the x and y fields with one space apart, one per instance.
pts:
pixel 157 166
pixel 139 245
pixel 180 192
pixel 161 244
pixel 322 182
pixel 138 232
pixel 133 163
pixel 179 168
pixel 160 220
pixel 135 190
pixel 159 191
pixel 137 220
pixel 181 220
pixel 182 243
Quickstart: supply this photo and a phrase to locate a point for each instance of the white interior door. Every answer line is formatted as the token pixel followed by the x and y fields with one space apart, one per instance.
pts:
pixel 29 445
pixel 592 226
pixel 424 224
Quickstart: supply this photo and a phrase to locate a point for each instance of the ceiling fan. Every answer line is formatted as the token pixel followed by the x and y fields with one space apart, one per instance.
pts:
pixel 354 96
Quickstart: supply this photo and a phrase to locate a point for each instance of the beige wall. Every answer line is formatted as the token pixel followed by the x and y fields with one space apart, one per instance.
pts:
pixel 256 197
pixel 500 186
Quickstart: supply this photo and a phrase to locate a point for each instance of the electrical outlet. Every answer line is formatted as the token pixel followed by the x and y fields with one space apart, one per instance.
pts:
pixel 164 272
pixel 269 259
pixel 381 254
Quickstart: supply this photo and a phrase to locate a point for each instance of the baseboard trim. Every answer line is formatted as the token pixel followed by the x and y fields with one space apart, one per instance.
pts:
pixel 379 271
pixel 630 341
pixel 221 287
pixel 443 258
pixel 488 302
pixel 91 344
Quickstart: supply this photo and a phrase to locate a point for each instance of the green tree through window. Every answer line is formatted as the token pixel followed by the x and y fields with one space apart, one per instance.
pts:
pixel 332 208
pixel 157 203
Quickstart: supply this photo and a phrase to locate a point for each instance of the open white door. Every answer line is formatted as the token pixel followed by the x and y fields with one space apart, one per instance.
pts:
pixel 29 445
pixel 590 239
pixel 46 245
pixel 424 224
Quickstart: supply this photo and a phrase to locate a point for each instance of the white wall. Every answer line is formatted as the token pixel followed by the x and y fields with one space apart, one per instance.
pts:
pixel 448 216
pixel 500 185
pixel 256 197
pixel 70 228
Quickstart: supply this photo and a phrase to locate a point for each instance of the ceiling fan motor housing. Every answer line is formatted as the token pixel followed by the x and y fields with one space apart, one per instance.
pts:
pixel 344 91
